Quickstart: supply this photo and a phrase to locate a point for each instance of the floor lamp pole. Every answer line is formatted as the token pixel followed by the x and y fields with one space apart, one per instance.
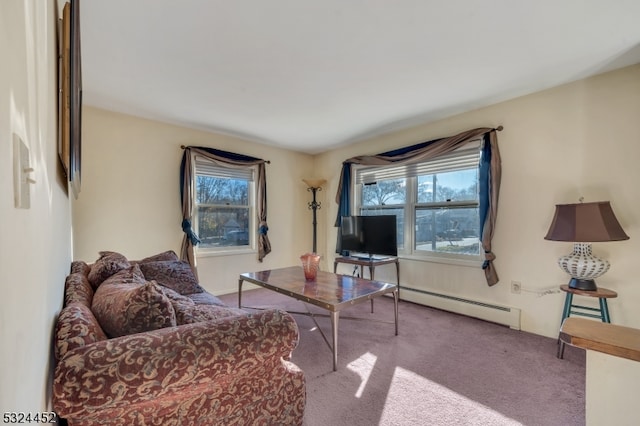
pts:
pixel 314 205
pixel 314 185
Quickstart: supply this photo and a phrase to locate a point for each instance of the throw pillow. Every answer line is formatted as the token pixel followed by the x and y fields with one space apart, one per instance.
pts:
pixel 107 264
pixel 174 274
pixel 181 304
pixel 126 304
pixel 165 255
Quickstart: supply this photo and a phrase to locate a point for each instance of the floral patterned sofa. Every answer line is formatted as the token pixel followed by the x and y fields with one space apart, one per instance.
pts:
pixel 141 343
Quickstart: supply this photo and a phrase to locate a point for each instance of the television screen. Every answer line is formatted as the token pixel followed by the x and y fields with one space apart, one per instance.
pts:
pixel 352 237
pixel 371 235
pixel 380 235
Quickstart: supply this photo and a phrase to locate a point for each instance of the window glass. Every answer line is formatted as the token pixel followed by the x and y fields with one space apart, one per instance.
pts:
pixel 460 185
pixel 384 193
pixel 223 212
pixel 379 198
pixel 436 203
pixel 448 230
pixel 214 190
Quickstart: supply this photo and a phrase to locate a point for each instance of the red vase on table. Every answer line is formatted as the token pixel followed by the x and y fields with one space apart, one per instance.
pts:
pixel 310 265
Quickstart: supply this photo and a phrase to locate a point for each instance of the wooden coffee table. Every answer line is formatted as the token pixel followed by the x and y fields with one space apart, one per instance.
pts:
pixel 333 292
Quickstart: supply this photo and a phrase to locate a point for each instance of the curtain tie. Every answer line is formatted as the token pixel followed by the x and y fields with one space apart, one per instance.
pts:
pixel 186 228
pixel 263 228
pixel 489 256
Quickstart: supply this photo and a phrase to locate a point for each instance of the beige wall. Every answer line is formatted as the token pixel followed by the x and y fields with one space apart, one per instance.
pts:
pixel 35 243
pixel 611 390
pixel 130 199
pixel 579 139
pixel 557 145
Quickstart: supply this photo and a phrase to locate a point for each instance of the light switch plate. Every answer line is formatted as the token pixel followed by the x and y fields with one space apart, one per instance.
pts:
pixel 21 170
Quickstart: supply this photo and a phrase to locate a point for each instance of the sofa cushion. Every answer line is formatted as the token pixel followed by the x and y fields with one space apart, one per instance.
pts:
pixel 76 327
pixel 126 303
pixel 107 264
pixel 174 274
pixel 200 313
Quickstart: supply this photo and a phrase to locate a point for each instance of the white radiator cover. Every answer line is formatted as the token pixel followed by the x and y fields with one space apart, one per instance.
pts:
pixel 498 314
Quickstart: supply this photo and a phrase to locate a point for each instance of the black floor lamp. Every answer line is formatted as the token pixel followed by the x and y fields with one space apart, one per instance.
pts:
pixel 314 185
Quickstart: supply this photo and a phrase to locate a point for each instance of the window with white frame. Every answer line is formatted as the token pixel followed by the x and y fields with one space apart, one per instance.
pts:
pixel 436 203
pixel 224 206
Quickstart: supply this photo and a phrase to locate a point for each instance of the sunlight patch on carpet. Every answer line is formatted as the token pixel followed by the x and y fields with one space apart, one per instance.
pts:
pixel 433 403
pixel 363 367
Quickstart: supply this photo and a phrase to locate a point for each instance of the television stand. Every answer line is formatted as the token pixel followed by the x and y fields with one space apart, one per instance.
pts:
pixel 373 257
pixel 371 262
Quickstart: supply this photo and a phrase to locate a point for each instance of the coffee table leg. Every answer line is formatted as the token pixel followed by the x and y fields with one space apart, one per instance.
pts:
pixel 334 332
pixel 239 293
pixel 371 272
pixel 396 296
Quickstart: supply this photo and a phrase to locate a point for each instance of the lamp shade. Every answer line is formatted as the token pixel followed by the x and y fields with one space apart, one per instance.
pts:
pixel 585 222
pixel 314 183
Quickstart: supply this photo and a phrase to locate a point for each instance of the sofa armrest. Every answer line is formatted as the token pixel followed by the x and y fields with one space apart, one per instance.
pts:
pixel 139 368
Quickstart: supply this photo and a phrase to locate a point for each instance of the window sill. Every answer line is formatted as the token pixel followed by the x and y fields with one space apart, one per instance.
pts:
pixel 218 253
pixel 471 263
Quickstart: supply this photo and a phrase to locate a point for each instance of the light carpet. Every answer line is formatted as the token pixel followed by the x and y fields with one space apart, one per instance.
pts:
pixel 442 368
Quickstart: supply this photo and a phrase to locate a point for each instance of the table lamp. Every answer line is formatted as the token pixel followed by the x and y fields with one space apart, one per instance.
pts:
pixel 583 224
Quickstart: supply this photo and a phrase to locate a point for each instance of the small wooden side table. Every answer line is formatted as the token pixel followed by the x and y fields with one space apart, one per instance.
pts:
pixel 570 308
pixel 371 263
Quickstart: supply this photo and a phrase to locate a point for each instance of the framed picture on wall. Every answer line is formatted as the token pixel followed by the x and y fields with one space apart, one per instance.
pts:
pixel 64 43
pixel 70 95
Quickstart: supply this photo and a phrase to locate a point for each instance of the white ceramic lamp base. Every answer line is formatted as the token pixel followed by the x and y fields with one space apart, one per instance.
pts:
pixel 583 267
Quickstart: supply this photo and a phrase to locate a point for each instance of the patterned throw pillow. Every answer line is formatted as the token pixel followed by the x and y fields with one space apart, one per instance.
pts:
pixel 174 274
pixel 107 264
pixel 165 255
pixel 181 304
pixel 126 303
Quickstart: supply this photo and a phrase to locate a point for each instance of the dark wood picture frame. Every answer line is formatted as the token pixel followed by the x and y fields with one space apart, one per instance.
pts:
pixel 64 42
pixel 70 95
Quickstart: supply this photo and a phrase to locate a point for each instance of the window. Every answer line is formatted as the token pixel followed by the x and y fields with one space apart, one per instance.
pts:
pixel 224 206
pixel 436 203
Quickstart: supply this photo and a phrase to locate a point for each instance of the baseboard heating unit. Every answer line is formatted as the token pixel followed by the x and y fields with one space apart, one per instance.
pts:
pixel 504 315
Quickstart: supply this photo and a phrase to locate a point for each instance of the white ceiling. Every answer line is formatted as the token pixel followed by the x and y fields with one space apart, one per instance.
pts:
pixel 314 75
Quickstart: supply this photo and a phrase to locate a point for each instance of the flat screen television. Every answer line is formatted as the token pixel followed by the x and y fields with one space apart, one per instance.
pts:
pixel 369 236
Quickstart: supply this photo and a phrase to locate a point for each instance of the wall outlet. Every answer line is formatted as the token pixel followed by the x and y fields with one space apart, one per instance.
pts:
pixel 516 287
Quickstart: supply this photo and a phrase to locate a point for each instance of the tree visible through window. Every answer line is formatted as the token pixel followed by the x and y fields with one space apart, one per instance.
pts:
pixel 436 203
pixel 224 206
